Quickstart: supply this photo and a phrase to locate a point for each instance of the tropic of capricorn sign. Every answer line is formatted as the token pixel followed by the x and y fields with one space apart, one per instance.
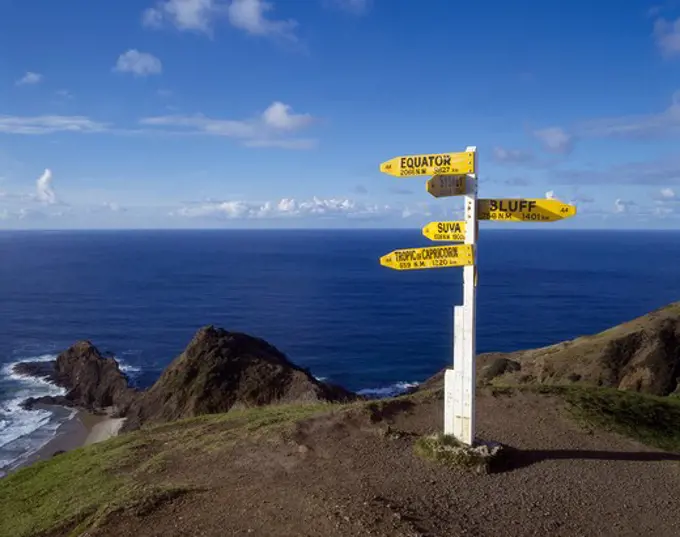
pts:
pixel 455 174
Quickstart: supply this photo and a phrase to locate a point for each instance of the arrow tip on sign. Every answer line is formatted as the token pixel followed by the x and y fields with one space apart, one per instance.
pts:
pixel 386 259
pixel 386 166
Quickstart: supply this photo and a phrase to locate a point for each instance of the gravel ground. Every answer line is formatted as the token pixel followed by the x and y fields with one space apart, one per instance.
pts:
pixel 340 475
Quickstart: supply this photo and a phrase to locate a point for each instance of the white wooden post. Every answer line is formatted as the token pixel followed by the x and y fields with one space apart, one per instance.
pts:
pixel 453 381
pixel 469 328
pixel 459 382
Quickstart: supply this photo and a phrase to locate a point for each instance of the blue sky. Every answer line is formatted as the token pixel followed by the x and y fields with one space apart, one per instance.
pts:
pixel 246 113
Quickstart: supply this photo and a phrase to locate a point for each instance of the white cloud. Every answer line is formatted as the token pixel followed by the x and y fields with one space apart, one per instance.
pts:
pixel 186 15
pixel 49 124
pixel 250 15
pixel 284 208
pixel 637 126
pixel 663 211
pixel 201 15
pixel 666 203
pixel 205 125
pixel 113 207
pixel 269 129
pixel 43 187
pixel 501 154
pixel 667 194
pixel 138 63
pixel 661 171
pixel 555 139
pixel 29 79
pixel 281 116
pixel 274 127
pixel 550 194
pixel 623 206
pixel 667 36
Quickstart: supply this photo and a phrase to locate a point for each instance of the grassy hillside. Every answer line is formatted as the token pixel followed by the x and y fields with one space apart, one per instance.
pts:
pixel 640 355
pixel 79 489
pixel 136 472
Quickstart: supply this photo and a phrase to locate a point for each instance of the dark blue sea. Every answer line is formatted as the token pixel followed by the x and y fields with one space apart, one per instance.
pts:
pixel 319 296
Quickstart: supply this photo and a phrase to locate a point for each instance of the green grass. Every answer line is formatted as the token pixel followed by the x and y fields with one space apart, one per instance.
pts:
pixel 78 489
pixel 652 420
pixel 67 489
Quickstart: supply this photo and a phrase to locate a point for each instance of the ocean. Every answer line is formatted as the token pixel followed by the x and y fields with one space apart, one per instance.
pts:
pixel 320 296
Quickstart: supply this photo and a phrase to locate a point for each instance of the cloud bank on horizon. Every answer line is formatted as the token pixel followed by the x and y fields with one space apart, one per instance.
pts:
pixel 247 113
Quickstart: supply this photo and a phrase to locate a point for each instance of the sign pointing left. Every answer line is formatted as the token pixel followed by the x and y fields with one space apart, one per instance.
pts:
pixel 431 257
pixel 442 186
pixel 445 231
pixel 432 164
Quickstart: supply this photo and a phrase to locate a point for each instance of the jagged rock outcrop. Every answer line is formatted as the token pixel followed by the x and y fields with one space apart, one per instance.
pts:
pixel 221 370
pixel 640 355
pixel 92 381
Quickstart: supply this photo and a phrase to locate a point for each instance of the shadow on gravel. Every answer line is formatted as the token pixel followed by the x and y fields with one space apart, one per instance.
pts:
pixel 514 459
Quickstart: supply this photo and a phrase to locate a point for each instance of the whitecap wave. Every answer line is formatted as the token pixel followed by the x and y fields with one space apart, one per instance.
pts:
pixel 18 426
pixel 130 370
pixel 388 391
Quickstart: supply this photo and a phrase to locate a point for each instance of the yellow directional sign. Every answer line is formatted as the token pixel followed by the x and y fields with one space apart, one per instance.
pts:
pixel 524 210
pixel 434 164
pixel 430 257
pixel 441 186
pixel 445 231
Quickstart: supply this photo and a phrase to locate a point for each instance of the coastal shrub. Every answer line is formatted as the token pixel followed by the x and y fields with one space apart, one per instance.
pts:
pixel 448 450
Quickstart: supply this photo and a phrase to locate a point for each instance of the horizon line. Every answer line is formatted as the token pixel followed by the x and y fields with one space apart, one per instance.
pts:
pixel 521 229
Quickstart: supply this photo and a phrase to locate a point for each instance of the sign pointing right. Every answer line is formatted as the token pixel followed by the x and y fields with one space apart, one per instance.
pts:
pixel 524 210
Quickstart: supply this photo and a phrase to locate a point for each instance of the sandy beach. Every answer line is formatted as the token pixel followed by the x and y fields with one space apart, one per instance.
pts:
pixel 103 429
pixel 83 429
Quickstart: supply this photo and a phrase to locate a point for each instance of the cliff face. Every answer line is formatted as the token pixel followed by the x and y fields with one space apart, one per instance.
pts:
pixel 91 380
pixel 641 355
pixel 221 370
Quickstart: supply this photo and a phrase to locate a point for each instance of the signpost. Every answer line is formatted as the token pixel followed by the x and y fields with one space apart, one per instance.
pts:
pixel 455 174
pixel 442 186
pixel 445 231
pixel 524 210
pixel 431 257
pixel 436 163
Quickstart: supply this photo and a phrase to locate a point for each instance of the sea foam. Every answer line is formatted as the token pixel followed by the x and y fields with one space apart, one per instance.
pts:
pixel 388 391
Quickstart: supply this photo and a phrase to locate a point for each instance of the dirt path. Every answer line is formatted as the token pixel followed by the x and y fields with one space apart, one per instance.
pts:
pixel 341 475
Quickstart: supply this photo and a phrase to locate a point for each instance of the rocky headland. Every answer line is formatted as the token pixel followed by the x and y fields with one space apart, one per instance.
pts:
pixel 641 355
pixel 219 370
